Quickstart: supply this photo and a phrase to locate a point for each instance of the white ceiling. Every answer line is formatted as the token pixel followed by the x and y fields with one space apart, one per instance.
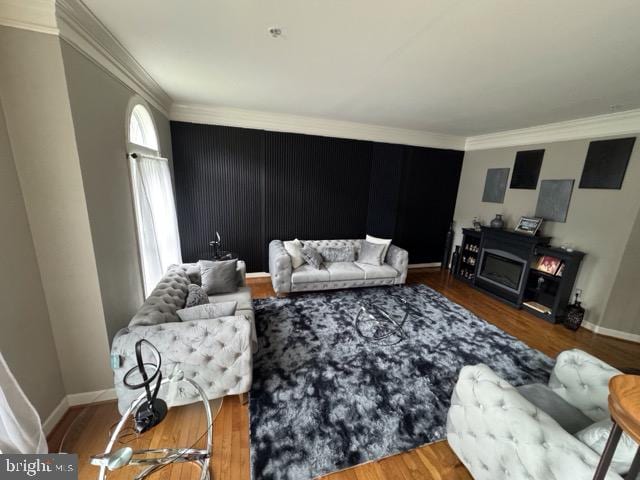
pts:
pixel 458 67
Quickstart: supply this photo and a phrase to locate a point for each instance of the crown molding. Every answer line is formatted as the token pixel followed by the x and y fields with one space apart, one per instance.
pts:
pixel 281 122
pixel 82 29
pixel 35 15
pixel 621 123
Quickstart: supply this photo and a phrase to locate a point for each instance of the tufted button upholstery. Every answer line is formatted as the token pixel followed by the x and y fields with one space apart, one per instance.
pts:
pixel 499 435
pixel 336 275
pixel 583 381
pixel 217 352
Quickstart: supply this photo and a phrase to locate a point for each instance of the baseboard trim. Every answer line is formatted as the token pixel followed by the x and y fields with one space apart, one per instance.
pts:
pixel 258 275
pixel 425 265
pixel 74 400
pixel 609 332
pixel 54 418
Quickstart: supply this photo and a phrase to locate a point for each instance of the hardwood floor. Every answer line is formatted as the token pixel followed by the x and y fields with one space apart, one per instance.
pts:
pixel 435 461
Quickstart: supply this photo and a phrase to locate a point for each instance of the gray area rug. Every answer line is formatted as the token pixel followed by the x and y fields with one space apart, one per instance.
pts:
pixel 324 398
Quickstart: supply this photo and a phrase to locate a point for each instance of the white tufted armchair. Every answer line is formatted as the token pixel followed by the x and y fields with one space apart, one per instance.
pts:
pixel 498 434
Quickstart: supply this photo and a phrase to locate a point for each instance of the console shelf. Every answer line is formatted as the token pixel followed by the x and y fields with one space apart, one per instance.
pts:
pixel 511 267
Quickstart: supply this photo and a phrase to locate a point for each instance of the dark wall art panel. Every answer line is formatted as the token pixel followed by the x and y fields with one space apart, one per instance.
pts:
pixel 427 201
pixel 495 185
pixel 218 176
pixel 606 163
pixel 554 199
pixel 254 186
pixel 526 169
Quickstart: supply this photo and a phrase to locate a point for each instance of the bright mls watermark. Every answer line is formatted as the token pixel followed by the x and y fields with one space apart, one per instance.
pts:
pixel 51 466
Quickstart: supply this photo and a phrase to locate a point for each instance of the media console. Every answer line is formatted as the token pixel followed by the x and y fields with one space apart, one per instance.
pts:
pixel 521 270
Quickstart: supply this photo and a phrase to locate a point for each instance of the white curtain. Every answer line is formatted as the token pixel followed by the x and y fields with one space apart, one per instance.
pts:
pixel 20 429
pixel 156 217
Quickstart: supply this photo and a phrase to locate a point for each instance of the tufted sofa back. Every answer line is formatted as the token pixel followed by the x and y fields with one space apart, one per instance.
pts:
pixel 321 244
pixel 169 296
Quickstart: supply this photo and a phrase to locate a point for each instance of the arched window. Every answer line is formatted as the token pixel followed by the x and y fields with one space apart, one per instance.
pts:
pixel 142 131
pixel 156 221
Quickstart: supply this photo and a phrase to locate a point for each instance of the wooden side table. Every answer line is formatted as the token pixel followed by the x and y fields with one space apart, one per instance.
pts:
pixel 624 406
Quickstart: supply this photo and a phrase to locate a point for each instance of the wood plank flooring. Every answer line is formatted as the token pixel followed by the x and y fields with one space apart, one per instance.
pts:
pixel 435 461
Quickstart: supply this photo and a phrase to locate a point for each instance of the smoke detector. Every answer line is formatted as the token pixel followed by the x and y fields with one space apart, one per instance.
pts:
pixel 275 32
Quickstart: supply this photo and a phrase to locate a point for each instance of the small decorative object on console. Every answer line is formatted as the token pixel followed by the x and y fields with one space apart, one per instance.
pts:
pixel 497 222
pixel 529 225
pixel 548 264
pixel 477 224
pixel 216 245
pixel 575 313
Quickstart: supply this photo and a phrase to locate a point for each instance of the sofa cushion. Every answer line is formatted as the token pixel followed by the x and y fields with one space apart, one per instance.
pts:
pixel 196 296
pixel 312 257
pixel 371 253
pixel 595 436
pixel 294 249
pixel 377 271
pixel 380 241
pixel 345 253
pixel 210 310
pixel 219 276
pixel 306 274
pixel 569 417
pixel 169 296
pixel 242 297
pixel 344 271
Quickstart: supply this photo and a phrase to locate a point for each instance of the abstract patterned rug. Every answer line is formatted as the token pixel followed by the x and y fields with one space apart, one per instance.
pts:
pixel 324 398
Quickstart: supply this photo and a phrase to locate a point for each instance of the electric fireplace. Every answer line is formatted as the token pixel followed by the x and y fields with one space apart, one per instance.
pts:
pixel 502 269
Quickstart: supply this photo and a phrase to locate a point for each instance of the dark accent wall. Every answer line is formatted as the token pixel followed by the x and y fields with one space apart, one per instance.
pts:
pixel 255 186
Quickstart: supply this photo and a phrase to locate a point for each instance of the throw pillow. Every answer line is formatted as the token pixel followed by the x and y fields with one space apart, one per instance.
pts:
pixel 195 296
pixel 219 276
pixel 595 437
pixel 193 272
pixel 312 257
pixel 294 249
pixel 208 311
pixel 347 253
pixel 382 241
pixel 371 253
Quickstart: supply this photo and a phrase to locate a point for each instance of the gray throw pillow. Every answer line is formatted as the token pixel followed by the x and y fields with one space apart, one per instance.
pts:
pixel 371 253
pixel 210 310
pixel 347 253
pixel 193 272
pixel 311 256
pixel 219 276
pixel 196 296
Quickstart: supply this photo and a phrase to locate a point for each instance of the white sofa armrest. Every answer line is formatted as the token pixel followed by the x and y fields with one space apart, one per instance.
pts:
pixel 583 381
pixel 216 353
pixel 398 258
pixel 280 267
pixel 499 435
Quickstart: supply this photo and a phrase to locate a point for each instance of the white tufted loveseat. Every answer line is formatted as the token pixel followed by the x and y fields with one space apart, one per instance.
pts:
pixel 498 434
pixel 334 275
pixel 217 353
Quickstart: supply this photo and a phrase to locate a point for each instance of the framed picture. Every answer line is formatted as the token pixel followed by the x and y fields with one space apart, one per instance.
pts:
pixel 529 225
pixel 548 264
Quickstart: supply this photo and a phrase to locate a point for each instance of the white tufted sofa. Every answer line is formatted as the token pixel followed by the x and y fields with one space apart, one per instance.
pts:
pixel 217 353
pixel 334 275
pixel 499 435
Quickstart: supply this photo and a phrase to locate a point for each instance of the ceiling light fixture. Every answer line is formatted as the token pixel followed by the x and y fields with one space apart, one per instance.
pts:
pixel 275 32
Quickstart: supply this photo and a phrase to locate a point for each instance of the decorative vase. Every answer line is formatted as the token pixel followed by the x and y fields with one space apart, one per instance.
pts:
pixel 497 222
pixel 575 316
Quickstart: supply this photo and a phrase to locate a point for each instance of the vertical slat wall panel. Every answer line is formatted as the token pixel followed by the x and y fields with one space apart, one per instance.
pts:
pixel 254 186
pixel 316 187
pixel 218 187
pixel 384 188
pixel 427 201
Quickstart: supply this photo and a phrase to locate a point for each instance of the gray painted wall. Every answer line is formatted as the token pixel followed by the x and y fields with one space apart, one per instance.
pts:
pixel 99 104
pixel 34 95
pixel 599 222
pixel 27 340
